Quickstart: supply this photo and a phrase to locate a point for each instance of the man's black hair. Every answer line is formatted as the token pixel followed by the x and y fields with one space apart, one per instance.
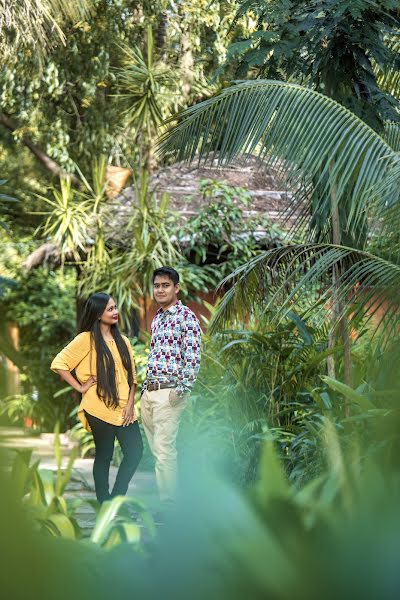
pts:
pixel 168 272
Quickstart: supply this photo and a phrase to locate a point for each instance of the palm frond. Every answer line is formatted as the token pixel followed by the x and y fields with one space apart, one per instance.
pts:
pixel 388 78
pixel 37 23
pixel 318 144
pixel 146 88
pixel 392 135
pixel 283 277
pixel 67 222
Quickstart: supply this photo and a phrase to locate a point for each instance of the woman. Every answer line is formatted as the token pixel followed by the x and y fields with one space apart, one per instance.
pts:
pixel 104 366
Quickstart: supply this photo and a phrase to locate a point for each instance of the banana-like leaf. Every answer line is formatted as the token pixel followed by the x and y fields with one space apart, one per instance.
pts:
pixel 48 484
pixel 60 525
pixel 104 521
pixel 37 494
pixel 58 457
pixel 20 471
pixel 58 506
pixel 354 397
pixel 272 478
pixel 336 461
pixel 123 532
pixel 66 475
pixel 318 144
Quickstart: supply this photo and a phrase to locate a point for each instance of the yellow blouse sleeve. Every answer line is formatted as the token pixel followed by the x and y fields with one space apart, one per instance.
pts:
pixel 130 350
pixel 73 354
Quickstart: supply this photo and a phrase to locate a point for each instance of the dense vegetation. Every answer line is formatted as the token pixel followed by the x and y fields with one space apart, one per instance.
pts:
pixel 296 404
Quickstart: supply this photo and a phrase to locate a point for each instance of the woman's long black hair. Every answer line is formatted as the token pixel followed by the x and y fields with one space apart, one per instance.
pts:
pixel 107 388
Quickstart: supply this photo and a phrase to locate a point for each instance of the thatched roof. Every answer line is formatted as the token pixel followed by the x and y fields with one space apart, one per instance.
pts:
pixel 46 254
pixel 269 197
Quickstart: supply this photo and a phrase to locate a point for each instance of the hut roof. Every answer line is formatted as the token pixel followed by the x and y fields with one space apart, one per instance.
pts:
pixel 269 197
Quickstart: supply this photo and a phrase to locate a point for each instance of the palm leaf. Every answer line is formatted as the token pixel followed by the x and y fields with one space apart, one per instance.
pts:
pixel 392 135
pixel 317 144
pixel 37 23
pixel 389 77
pixel 145 88
pixel 282 277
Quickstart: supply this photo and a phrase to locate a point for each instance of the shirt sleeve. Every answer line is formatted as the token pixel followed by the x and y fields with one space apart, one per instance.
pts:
pixel 73 354
pixel 190 352
pixel 131 354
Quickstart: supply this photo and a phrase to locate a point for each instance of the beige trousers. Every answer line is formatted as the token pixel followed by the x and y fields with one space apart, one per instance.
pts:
pixel 161 423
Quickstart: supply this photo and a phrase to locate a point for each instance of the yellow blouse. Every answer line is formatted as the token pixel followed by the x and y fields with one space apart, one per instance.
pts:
pixel 80 354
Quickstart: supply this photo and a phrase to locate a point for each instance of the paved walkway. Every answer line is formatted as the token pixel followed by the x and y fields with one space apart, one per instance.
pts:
pixel 142 486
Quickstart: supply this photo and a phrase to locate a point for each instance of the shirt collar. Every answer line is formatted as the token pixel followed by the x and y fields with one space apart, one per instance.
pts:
pixel 171 310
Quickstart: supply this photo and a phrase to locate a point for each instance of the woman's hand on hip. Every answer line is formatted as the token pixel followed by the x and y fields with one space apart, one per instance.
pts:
pixel 88 384
pixel 127 414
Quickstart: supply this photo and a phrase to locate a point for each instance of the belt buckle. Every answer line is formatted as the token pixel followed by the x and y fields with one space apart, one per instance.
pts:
pixel 154 385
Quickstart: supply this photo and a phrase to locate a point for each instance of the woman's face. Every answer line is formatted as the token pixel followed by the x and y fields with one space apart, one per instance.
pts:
pixel 110 315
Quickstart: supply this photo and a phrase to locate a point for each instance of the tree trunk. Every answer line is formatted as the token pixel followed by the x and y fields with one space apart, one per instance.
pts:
pixel 8 349
pixel 332 335
pixel 46 161
pixel 337 303
pixel 187 63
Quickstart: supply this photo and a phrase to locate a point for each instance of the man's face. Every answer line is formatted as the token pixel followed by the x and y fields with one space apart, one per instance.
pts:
pixel 165 292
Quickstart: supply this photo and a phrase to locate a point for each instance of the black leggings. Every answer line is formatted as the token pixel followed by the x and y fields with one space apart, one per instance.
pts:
pixel 131 444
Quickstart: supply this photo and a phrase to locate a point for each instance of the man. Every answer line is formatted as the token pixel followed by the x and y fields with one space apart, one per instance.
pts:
pixel 172 368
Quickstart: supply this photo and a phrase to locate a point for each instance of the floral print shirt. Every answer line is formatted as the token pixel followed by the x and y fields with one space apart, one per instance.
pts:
pixel 175 348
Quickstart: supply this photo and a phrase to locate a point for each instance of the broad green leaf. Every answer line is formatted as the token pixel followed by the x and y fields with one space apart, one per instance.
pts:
pixel 104 520
pixel 123 532
pixel 47 479
pixel 62 525
pixel 272 478
pixel 362 401
pixel 20 471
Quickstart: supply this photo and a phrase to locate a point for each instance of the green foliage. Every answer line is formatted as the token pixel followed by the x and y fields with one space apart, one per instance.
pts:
pixel 333 538
pixel 260 382
pixel 146 89
pixel 220 237
pixel 42 494
pixel 5 198
pixel 281 277
pixel 288 125
pixel 66 106
pixel 113 525
pixel 67 220
pixel 36 25
pixel 334 46
pixel 41 303
pixel 128 273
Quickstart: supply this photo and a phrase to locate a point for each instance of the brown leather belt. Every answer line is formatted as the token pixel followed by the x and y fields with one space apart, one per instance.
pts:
pixel 152 387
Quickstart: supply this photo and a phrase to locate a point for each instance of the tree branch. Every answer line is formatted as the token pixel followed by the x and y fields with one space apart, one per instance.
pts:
pixel 8 349
pixel 46 161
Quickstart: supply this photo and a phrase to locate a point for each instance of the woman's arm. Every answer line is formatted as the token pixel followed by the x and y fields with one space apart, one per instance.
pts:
pixel 74 383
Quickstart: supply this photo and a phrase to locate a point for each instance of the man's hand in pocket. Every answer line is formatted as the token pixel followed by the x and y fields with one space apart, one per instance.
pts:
pixel 176 399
